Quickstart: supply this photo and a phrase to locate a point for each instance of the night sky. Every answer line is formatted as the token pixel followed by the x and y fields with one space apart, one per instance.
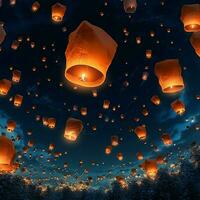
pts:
pixel 47 93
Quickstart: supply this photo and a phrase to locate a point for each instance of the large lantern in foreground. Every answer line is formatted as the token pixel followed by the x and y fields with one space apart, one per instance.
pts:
pixel 169 75
pixel 141 132
pixel 166 139
pixel 58 12
pixel 5 86
pixel 73 129
pixel 195 41
pixel 89 53
pixel 130 6
pixel 178 107
pixel 150 167
pixel 190 16
pixel 7 155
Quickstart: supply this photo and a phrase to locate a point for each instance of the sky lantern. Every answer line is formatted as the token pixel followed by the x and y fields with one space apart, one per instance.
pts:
pixel 7 155
pixel 130 6
pixel 108 150
pixel 16 76
pixel 51 147
pixel 166 139
pixel 120 156
pixel 122 181
pixel 114 141
pixel 145 112
pixel 141 132
pixel 51 123
pixel 89 53
pixel 30 143
pixel 138 40
pixel 195 42
pixel 58 12
pixel 190 16
pixel 160 160
pixel 2 34
pixel 45 121
pixel 35 6
pixel 73 129
pixel 15 45
pixel 178 107
pixel 11 125
pixel 139 156
pixel 133 172
pixel 169 75
pixel 106 104
pixel 148 54
pixel 84 111
pixel 150 167
pixel 18 100
pixel 13 2
pixel 155 100
pixel 5 86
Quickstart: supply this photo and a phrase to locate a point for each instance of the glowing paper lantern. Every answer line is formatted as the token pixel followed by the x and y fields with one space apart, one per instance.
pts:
pixel 151 168
pixel 133 172
pixel 122 182
pixel 12 2
pixel 73 129
pixel 2 34
pixel 149 54
pixel 141 132
pixel 114 141
pixel 16 76
pixel 15 45
pixel 139 156
pixel 120 156
pixel 5 86
pixel 178 107
pixel 51 147
pixel 89 53
pixel 106 104
pixel 51 123
pixel 11 125
pixel 138 40
pixel 160 160
pixel 155 100
pixel 45 121
pixel 169 75
pixel 195 41
pixel 167 139
pixel 190 16
pixel 58 12
pixel 18 100
pixel 7 155
pixel 35 6
pixel 84 111
pixel 108 150
pixel 130 6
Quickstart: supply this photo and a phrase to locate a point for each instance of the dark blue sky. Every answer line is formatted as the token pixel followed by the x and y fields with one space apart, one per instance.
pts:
pixel 128 65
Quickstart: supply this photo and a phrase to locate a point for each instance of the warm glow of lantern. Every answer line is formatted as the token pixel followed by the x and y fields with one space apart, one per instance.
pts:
pixel 195 41
pixel 151 168
pixel 11 125
pixel 106 104
pixel 139 156
pixel 35 6
pixel 51 147
pixel 58 12
pixel 114 141
pixel 51 123
pixel 89 53
pixel 84 111
pixel 155 100
pixel 7 155
pixel 122 182
pixel 108 150
pixel 141 132
pixel 18 100
pixel 16 76
pixel 130 6
pixel 167 139
pixel 148 54
pixel 178 107
pixel 73 129
pixel 120 156
pixel 169 75
pixel 5 86
pixel 190 16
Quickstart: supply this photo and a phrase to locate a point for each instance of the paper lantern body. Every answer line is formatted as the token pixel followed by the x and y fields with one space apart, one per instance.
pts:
pixel 2 34
pixel 16 76
pixel 18 100
pixel 120 156
pixel 151 168
pixel 114 141
pixel 130 6
pixel 141 132
pixel 178 107
pixel 167 139
pixel 35 6
pixel 58 12
pixel 169 75
pixel 73 129
pixel 106 104
pixel 51 123
pixel 89 53
pixel 139 156
pixel 155 100
pixel 5 86
pixel 11 125
pixel 195 41
pixel 108 150
pixel 190 16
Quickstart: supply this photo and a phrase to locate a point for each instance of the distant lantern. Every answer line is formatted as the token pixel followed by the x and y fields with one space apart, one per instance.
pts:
pixel 7 155
pixel 35 6
pixel 51 123
pixel 155 100
pixel 12 2
pixel 166 139
pixel 51 147
pixel 114 141
pixel 195 41
pixel 16 76
pixel 139 156
pixel 190 16
pixel 108 150
pixel 18 100
pixel 160 160
pixel 5 86
pixel 15 45
pixel 89 53
pixel 45 121
pixel 133 172
pixel 84 111
pixel 122 181
pixel 120 156
pixel 178 107
pixel 148 54
pixel 141 132
pixel 169 75
pixel 30 143
pixel 138 40
pixel 11 125
pixel 73 129
pixel 130 6
pixel 106 104
pixel 145 112
pixel 150 167
pixel 2 34
pixel 58 12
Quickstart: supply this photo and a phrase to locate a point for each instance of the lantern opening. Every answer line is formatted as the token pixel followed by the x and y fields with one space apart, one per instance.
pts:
pixel 192 28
